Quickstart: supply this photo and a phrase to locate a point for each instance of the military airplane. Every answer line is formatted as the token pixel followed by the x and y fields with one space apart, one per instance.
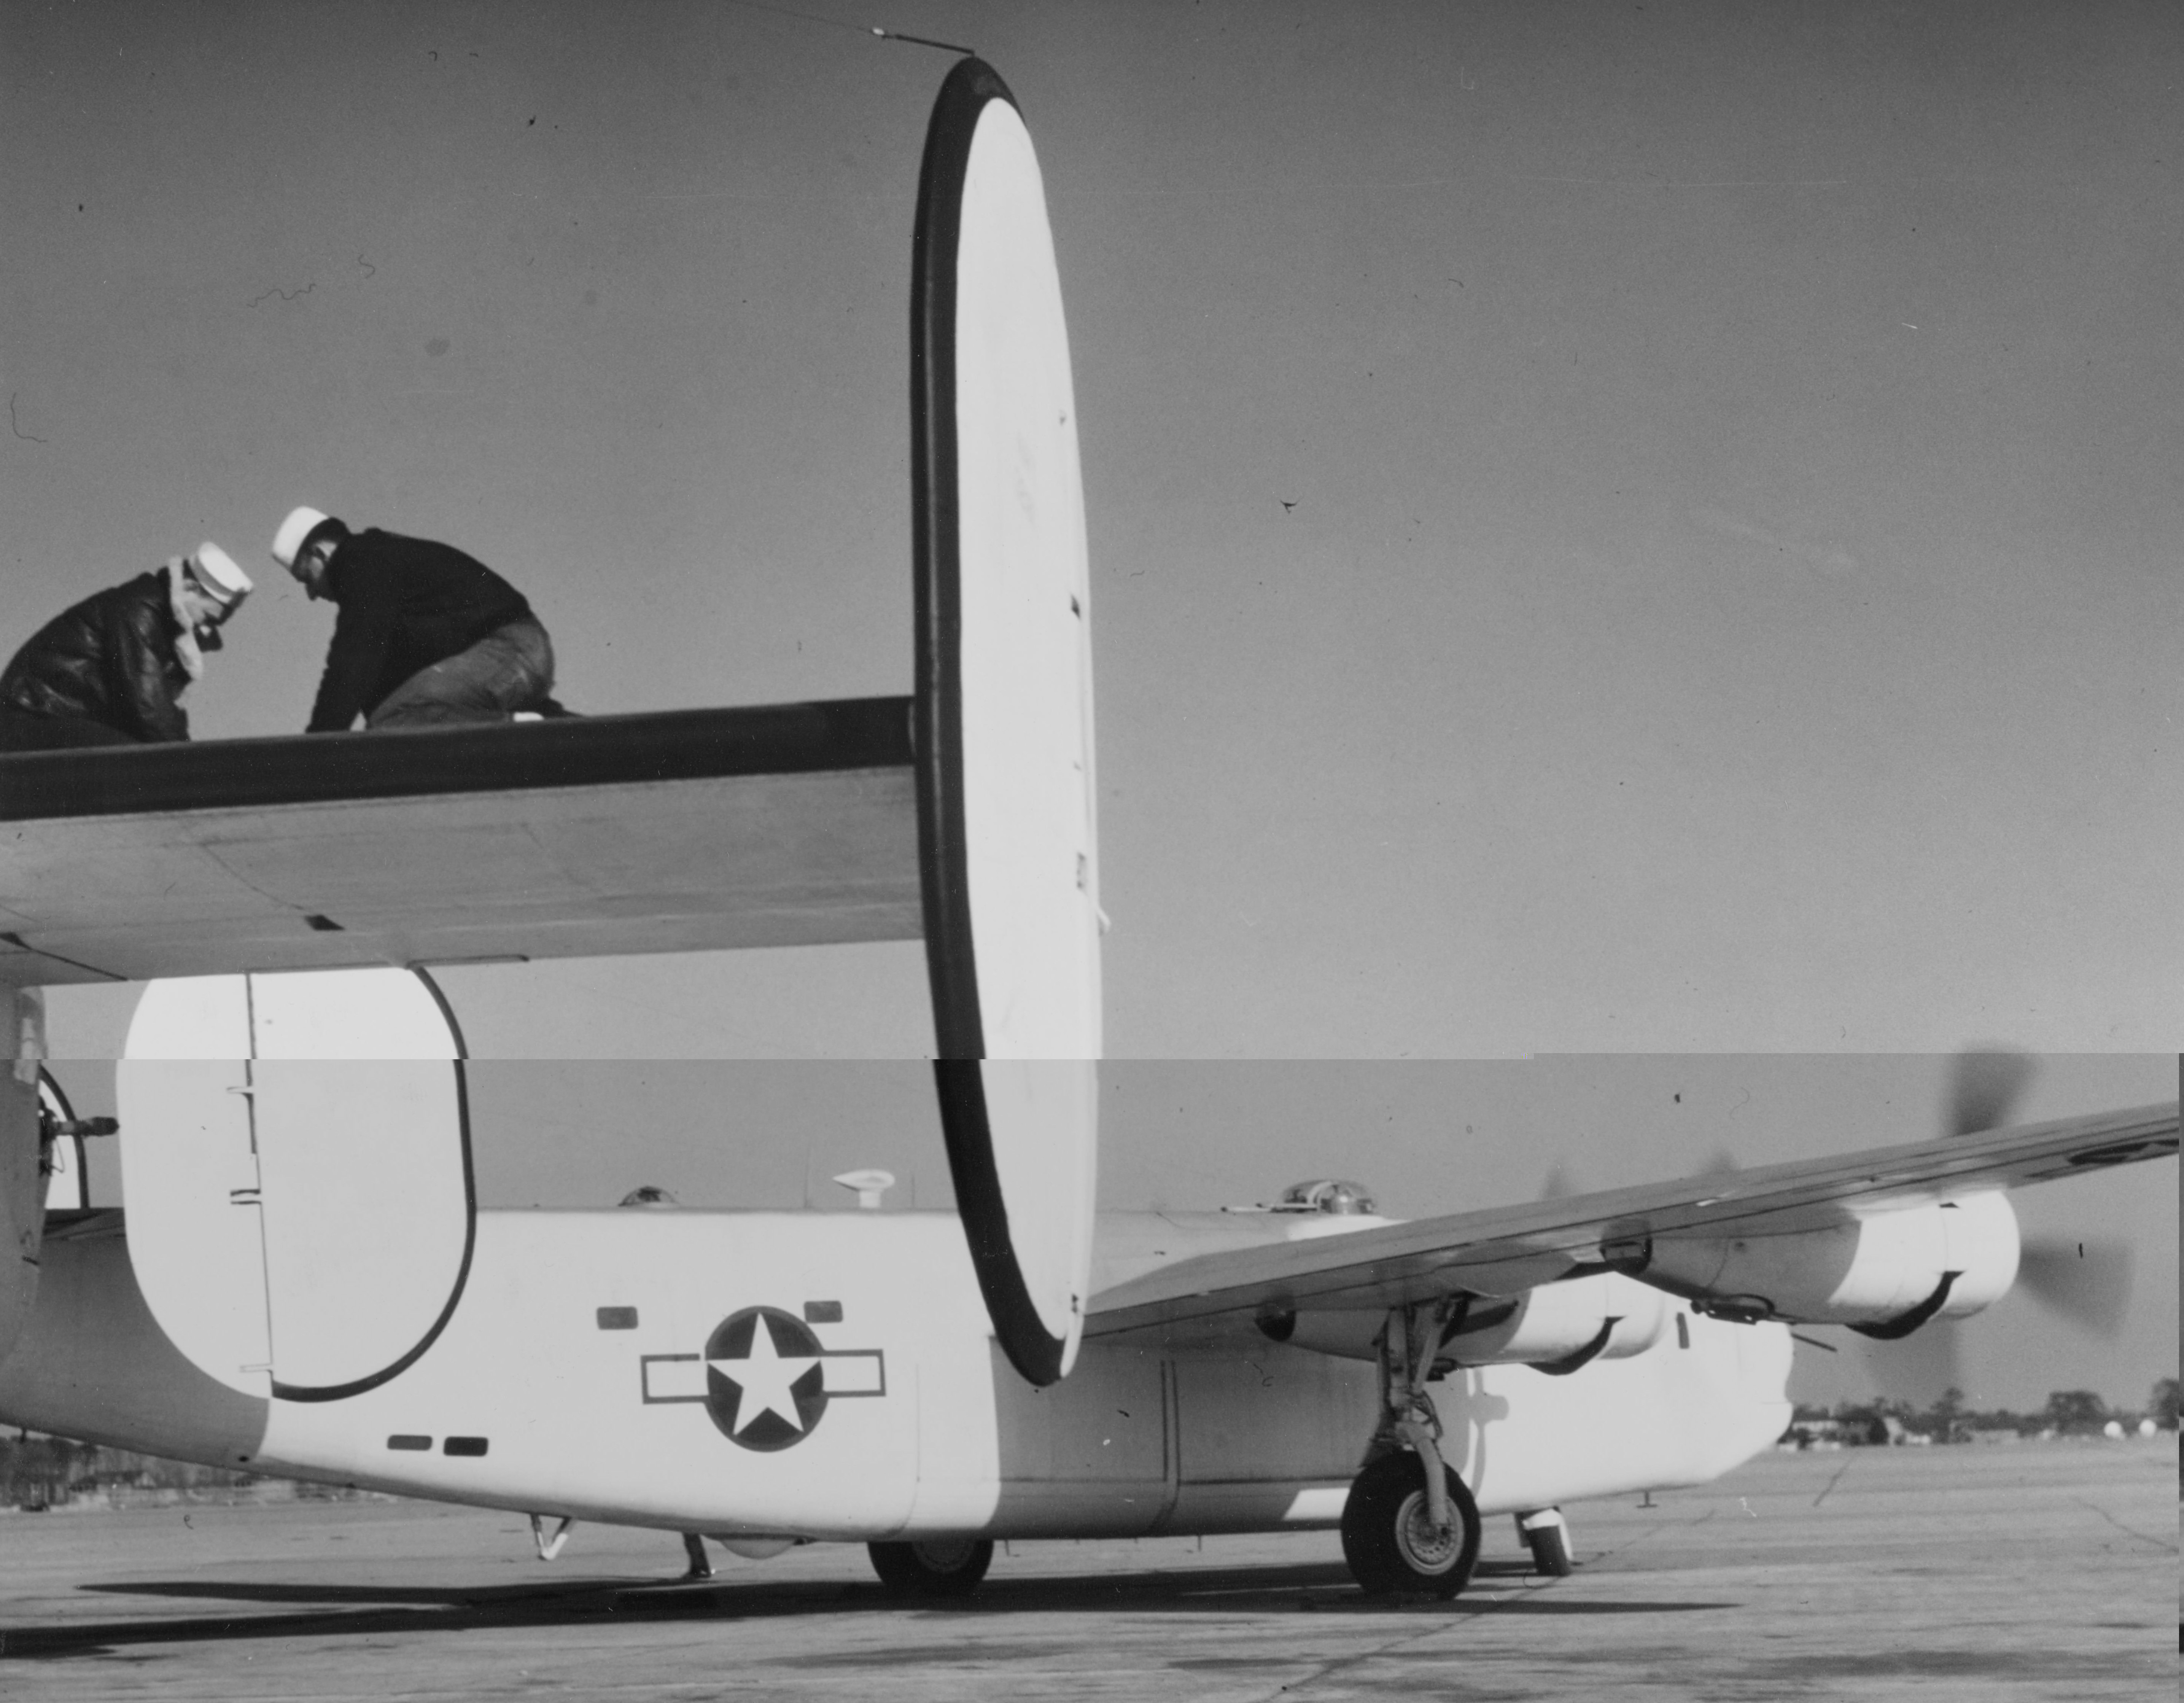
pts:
pixel 301 1282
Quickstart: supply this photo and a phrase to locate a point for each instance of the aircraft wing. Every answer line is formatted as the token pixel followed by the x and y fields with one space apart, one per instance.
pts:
pixel 778 825
pixel 1505 1250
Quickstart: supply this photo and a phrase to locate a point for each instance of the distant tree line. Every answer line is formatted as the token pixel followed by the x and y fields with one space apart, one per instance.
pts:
pixel 38 1471
pixel 2069 1413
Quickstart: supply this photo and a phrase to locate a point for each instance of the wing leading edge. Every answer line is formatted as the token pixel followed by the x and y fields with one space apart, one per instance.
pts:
pixel 1506 1250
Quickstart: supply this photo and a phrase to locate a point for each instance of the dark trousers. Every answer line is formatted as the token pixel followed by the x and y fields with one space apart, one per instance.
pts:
pixel 20 731
pixel 511 669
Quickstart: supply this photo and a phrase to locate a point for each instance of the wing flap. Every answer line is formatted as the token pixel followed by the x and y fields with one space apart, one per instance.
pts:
pixel 1485 1252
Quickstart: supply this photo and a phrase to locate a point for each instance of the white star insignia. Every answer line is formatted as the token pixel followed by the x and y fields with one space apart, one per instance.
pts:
pixel 765 1379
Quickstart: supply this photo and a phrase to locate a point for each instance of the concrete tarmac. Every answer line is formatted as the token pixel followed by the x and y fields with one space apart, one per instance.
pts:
pixel 1990 1572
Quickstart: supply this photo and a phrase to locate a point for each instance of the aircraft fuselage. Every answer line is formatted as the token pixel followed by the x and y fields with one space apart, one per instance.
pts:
pixel 834 1376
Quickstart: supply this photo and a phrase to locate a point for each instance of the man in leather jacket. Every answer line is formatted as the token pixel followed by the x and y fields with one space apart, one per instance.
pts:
pixel 427 635
pixel 110 670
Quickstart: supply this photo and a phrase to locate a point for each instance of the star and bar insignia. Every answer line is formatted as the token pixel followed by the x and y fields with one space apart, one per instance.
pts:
pixel 764 1378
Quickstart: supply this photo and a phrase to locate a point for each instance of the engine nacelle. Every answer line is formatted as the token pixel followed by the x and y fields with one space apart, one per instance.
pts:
pixel 1561 1326
pixel 1887 1273
pixel 1555 1326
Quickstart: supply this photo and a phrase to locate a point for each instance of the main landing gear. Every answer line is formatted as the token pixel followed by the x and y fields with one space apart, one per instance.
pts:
pixel 1410 1525
pixel 933 1566
pixel 1389 1537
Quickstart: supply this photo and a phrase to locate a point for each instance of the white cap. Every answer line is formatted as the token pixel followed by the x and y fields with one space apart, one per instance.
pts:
pixel 218 573
pixel 288 542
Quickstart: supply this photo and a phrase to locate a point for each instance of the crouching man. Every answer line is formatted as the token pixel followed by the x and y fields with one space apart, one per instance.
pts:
pixel 426 637
pixel 112 669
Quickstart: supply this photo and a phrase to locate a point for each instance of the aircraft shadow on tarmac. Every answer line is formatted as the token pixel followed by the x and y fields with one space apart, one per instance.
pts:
pixel 363 1610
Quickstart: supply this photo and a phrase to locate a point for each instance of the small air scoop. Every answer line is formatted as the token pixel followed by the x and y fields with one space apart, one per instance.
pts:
pixel 870 1187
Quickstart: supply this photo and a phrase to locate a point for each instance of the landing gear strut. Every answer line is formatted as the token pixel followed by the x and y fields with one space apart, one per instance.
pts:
pixel 1546 1535
pixel 1410 1525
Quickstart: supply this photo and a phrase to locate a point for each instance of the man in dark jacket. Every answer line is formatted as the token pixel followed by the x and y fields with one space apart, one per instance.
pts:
pixel 427 636
pixel 110 670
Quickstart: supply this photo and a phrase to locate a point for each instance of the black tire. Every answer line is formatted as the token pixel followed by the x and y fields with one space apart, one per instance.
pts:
pixel 933 1566
pixel 1389 1541
pixel 1551 1550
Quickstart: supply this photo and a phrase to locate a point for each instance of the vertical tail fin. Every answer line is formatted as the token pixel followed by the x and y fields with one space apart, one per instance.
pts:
pixel 295 1157
pixel 1008 843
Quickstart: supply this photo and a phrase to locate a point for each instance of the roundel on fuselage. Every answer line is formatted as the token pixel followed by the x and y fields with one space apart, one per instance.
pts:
pixel 1007 828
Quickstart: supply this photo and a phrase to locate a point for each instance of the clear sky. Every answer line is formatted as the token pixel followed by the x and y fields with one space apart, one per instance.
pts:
pixel 1731 594
pixel 1645 529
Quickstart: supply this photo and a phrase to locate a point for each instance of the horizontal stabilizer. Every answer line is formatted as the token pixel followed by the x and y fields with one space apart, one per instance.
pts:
pixel 781 825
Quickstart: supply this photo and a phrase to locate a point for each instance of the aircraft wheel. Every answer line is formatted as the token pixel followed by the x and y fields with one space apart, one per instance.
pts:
pixel 1388 1535
pixel 933 1566
pixel 1549 1543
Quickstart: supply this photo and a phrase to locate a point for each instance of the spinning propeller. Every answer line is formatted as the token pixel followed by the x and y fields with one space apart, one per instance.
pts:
pixel 2086 1282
